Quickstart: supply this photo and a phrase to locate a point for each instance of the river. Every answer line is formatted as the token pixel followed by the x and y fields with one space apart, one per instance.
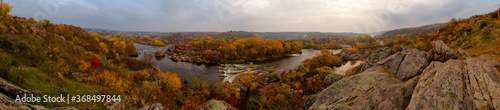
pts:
pixel 210 73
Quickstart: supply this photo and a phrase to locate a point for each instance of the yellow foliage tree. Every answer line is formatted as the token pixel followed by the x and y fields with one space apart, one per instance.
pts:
pixel 5 9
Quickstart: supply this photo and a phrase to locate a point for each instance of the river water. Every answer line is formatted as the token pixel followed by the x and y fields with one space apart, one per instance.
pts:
pixel 210 73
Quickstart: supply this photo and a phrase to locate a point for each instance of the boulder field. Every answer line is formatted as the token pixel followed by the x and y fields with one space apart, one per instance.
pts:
pixel 413 79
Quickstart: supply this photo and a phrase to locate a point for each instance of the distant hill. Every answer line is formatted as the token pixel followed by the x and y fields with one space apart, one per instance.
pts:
pixel 264 35
pixel 304 35
pixel 414 31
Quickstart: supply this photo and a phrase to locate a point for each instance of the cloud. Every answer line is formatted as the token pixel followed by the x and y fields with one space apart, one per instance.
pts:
pixel 80 3
pixel 256 15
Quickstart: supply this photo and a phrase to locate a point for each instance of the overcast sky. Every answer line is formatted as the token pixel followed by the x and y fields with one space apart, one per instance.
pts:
pixel 362 16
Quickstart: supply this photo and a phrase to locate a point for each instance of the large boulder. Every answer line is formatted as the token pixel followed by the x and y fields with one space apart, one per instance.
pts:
pixel 405 64
pixel 455 84
pixel 441 87
pixel 332 78
pixel 441 52
pixel 483 84
pixel 392 63
pixel 216 105
pixel 414 63
pixel 372 89
pixel 375 57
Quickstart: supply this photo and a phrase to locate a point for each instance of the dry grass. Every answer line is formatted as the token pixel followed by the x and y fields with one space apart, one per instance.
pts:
pixel 489 51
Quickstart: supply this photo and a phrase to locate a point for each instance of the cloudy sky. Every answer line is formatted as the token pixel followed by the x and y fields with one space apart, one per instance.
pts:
pixel 361 16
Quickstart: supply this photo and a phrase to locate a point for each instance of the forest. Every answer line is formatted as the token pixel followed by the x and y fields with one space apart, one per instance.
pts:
pixel 227 49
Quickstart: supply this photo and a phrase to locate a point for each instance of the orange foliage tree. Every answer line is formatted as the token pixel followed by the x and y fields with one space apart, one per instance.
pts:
pixel 322 59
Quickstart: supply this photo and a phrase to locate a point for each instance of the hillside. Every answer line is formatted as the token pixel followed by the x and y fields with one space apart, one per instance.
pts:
pixel 42 58
pixel 478 35
pixel 303 35
pixel 414 31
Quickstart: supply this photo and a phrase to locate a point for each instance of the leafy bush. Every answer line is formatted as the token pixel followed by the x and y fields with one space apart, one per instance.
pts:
pixel 322 59
pixel 280 97
pixel 135 64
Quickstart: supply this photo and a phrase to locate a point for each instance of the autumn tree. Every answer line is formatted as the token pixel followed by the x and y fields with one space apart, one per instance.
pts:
pixel 322 59
pixel 64 31
pixel 314 84
pixel 244 81
pixel 280 97
pixel 149 60
pixel 5 9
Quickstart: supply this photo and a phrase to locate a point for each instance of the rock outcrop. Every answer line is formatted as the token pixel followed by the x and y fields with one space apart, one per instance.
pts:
pixel 455 84
pixel 375 57
pixel 483 84
pixel 462 53
pixel 7 103
pixel 332 78
pixel 156 106
pixel 414 62
pixel 309 101
pixel 82 77
pixel 476 23
pixel 11 88
pixel 372 89
pixel 350 56
pixel 441 52
pixel 216 105
pixel 160 53
pixel 441 87
pixel 405 64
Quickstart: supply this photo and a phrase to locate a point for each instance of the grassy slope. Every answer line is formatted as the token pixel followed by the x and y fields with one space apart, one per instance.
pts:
pixel 488 47
pixel 23 56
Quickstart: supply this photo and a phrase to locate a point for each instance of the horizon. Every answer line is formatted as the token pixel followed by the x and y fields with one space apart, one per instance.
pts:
pixel 336 16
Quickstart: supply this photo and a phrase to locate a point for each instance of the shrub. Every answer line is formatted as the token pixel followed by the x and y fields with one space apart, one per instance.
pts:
pixel 149 60
pixel 5 63
pixel 135 64
pixel 279 97
pixel 322 59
